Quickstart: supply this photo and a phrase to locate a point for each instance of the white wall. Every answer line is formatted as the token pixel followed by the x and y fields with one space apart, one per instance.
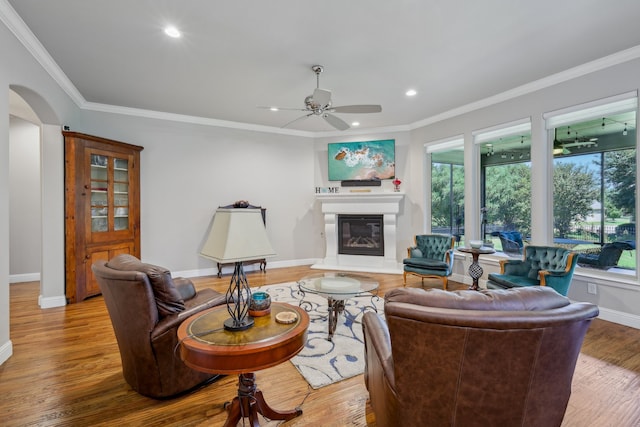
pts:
pixel 187 171
pixel 24 203
pixel 53 106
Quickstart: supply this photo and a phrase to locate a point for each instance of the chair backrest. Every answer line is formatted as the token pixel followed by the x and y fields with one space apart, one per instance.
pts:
pixel 511 241
pixel 496 357
pixel 546 258
pixel 611 252
pixel 514 236
pixel 132 307
pixel 434 246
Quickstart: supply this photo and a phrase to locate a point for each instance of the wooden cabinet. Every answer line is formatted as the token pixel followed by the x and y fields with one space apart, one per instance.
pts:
pixel 102 207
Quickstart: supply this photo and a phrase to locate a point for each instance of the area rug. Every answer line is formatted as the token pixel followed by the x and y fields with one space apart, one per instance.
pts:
pixel 324 362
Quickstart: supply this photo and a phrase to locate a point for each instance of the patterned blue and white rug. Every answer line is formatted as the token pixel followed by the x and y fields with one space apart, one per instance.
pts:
pixel 324 362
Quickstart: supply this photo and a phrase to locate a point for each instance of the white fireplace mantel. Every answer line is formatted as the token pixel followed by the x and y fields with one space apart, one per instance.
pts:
pixel 386 204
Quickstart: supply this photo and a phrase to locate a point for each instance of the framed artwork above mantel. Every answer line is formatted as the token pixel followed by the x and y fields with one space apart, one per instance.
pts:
pixel 365 161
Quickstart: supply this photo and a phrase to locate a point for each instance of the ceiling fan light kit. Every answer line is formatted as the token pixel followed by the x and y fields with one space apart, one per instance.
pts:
pixel 319 104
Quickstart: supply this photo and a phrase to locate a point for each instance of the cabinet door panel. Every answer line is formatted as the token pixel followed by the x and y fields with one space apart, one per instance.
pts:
pixel 110 199
pixel 94 255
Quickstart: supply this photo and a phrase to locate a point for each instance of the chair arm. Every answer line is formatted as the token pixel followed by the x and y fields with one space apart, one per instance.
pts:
pixel 174 320
pixel 414 252
pixel 515 267
pixel 548 276
pixel 185 287
pixel 448 258
pixel 377 349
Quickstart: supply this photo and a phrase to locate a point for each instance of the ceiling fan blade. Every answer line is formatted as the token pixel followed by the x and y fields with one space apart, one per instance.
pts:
pixel 357 109
pixel 322 97
pixel 336 122
pixel 295 120
pixel 263 107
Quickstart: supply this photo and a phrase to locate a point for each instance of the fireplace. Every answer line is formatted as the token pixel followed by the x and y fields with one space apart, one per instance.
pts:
pixel 385 207
pixel 361 235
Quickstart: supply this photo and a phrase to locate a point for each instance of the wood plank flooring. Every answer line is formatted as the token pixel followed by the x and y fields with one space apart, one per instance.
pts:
pixel 66 371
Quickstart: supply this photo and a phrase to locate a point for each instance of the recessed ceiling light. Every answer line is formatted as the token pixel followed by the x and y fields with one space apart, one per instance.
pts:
pixel 273 108
pixel 355 124
pixel 411 92
pixel 172 31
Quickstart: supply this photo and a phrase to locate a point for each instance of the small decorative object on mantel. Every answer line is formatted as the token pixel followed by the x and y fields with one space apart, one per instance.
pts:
pixel 241 204
pixel 327 190
pixel 396 184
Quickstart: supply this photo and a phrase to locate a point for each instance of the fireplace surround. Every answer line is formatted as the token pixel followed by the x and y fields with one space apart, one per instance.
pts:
pixel 383 204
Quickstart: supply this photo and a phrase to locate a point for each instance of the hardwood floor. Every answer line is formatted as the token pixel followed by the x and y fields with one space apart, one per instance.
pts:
pixel 65 371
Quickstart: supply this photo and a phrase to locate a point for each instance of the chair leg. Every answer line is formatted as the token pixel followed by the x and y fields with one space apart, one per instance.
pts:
pixel 404 278
pixel 445 282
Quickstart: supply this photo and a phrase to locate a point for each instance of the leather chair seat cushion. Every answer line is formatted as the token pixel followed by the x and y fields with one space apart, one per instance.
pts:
pixel 522 299
pixel 168 298
pixel 510 280
pixel 426 263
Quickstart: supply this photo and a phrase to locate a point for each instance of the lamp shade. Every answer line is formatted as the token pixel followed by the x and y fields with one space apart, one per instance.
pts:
pixel 237 235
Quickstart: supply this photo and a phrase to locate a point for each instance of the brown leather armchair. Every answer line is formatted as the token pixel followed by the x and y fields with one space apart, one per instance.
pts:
pixel 146 306
pixel 469 358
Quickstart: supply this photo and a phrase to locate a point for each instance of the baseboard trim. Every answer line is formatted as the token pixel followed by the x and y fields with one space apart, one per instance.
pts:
pixel 626 319
pixel 21 278
pixel 52 302
pixel 6 351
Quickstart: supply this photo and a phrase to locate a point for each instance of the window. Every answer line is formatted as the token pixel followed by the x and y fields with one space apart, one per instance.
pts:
pixel 447 187
pixel 594 181
pixel 505 191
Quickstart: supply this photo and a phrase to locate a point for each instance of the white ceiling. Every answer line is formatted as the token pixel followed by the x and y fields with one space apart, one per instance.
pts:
pixel 237 55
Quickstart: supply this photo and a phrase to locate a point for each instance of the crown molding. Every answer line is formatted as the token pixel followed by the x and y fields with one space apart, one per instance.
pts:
pixel 150 114
pixel 17 26
pixel 545 82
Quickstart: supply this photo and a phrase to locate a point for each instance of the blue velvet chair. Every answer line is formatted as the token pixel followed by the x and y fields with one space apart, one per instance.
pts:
pixel 432 256
pixel 608 256
pixel 511 241
pixel 550 266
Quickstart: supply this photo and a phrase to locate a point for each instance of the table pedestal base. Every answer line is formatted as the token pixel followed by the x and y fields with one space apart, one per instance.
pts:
pixel 250 402
pixel 336 306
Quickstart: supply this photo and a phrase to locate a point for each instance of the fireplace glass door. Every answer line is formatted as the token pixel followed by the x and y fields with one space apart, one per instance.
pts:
pixel 360 235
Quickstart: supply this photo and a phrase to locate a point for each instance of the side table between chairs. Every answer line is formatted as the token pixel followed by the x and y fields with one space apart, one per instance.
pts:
pixel 206 346
pixel 475 270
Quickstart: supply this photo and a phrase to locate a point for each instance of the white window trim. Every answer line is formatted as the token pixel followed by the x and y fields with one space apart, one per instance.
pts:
pixel 453 143
pixel 600 108
pixel 500 131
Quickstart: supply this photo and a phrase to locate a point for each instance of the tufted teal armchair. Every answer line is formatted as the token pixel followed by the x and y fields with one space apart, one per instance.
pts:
pixel 432 256
pixel 541 266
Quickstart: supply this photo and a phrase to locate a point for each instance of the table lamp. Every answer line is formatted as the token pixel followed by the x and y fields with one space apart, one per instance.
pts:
pixel 237 235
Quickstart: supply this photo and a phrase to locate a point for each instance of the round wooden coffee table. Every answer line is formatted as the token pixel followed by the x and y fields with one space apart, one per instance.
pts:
pixel 206 346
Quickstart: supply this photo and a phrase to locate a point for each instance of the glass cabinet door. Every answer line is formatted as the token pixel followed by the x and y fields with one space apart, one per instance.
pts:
pixel 109 203
pixel 120 194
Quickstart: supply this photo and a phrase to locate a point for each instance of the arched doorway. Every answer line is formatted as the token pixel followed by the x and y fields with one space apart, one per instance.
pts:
pixel 52 195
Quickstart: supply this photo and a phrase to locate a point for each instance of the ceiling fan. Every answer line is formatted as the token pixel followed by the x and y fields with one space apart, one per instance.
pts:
pixel 562 146
pixel 319 104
